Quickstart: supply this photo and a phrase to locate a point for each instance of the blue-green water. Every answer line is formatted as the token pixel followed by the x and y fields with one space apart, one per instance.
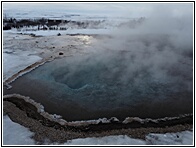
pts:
pixel 85 87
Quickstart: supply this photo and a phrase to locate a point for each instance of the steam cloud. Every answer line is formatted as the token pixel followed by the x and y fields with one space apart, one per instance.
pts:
pixel 152 60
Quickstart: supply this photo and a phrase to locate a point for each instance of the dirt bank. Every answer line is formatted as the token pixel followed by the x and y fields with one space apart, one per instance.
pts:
pixel 26 114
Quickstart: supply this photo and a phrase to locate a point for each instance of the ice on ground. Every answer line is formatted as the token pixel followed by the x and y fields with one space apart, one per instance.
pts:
pixel 15 134
pixel 108 140
pixel 13 63
pixel 180 138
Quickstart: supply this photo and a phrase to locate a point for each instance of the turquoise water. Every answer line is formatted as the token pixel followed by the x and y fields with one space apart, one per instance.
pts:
pixel 84 87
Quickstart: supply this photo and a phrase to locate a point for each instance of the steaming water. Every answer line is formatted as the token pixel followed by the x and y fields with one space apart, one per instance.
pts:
pixel 79 88
pixel 149 76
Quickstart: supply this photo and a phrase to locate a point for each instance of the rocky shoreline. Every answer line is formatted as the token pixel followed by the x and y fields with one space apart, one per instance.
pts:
pixel 26 114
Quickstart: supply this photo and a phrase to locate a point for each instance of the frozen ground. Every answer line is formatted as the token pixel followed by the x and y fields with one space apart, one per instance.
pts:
pixel 14 63
pixel 15 60
pixel 15 134
pixel 20 51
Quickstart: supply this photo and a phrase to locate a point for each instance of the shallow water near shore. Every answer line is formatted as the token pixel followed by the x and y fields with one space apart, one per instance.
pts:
pixel 78 89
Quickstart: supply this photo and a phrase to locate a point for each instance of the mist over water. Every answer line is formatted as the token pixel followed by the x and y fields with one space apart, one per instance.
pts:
pixel 144 71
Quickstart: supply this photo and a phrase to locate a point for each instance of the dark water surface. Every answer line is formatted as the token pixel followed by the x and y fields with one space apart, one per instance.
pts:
pixel 79 88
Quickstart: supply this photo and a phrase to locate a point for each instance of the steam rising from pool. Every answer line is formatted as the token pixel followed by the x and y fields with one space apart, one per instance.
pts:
pixel 144 71
pixel 118 83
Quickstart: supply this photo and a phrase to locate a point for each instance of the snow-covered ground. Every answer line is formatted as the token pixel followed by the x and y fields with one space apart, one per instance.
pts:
pixel 108 140
pixel 16 58
pixel 180 138
pixel 15 134
pixel 21 51
pixel 14 63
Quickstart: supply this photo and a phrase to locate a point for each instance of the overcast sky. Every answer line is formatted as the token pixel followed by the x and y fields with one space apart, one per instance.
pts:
pixel 105 9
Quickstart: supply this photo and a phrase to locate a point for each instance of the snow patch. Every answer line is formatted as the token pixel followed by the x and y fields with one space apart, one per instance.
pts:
pixel 137 119
pixel 87 122
pixel 131 119
pixel 180 138
pixel 108 140
pixel 13 63
pixel 15 134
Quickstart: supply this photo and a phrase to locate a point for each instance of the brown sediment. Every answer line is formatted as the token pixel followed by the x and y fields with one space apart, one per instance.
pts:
pixel 46 127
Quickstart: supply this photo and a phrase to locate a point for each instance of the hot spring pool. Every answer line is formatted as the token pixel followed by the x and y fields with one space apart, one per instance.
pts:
pixel 84 87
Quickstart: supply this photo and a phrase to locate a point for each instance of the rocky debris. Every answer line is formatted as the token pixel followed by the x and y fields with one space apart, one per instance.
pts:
pixel 46 119
pixel 58 34
pixel 60 53
pixel 63 28
pixel 49 24
pixel 7 27
pixel 55 134
pixel 32 34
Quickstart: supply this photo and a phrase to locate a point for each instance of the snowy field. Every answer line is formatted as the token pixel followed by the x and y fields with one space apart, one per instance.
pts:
pixel 15 134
